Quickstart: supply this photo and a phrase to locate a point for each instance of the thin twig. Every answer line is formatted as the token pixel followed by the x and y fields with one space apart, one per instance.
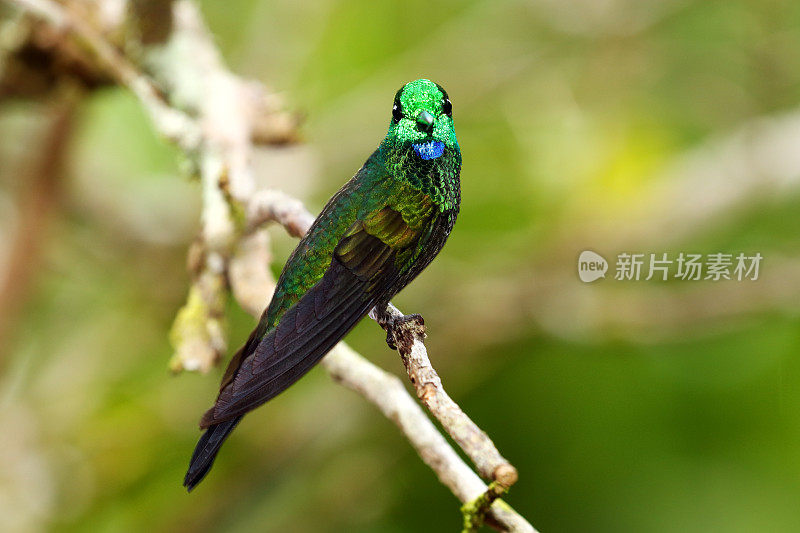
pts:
pixel 408 335
pixel 387 393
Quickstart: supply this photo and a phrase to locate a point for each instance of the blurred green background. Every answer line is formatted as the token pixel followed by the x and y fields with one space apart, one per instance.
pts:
pixel 618 126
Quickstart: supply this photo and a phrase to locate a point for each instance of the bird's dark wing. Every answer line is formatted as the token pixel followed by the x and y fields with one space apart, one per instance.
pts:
pixel 363 272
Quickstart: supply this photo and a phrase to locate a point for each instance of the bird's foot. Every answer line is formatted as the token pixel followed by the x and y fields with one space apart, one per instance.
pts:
pixel 390 339
pixel 401 331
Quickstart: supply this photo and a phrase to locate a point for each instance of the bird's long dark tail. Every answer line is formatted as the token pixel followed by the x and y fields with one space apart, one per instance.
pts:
pixel 206 451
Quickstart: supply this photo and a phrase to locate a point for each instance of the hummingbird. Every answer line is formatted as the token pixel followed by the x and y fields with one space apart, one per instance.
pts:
pixel 374 236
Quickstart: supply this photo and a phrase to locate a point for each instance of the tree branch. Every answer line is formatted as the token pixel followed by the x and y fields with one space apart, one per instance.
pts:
pixel 387 393
pixel 408 334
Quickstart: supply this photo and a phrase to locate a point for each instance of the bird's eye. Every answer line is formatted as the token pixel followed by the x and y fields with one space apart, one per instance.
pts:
pixel 447 107
pixel 397 111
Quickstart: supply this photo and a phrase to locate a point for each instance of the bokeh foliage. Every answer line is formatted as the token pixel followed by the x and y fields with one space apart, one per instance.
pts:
pixel 567 114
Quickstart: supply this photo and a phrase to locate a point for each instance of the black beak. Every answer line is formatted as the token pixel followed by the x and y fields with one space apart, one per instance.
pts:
pixel 425 121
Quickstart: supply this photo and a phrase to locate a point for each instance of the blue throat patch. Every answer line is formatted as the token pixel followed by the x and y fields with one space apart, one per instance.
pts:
pixel 429 150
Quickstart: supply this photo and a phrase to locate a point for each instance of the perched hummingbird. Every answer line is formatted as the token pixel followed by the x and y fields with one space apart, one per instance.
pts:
pixel 372 238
